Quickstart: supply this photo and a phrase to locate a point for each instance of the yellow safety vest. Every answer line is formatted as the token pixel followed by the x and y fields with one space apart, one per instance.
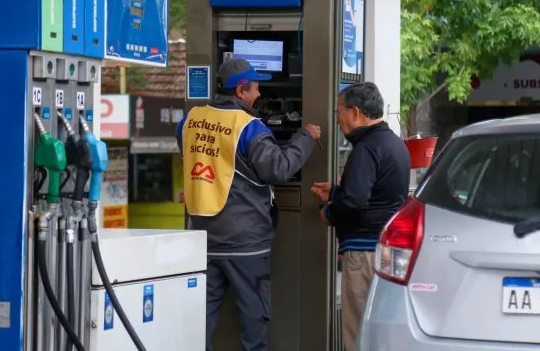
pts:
pixel 209 140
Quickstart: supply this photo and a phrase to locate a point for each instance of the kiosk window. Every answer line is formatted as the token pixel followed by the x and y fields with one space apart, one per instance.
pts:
pixel 151 178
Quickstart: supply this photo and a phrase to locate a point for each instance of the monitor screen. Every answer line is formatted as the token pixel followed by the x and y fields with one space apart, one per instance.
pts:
pixel 263 55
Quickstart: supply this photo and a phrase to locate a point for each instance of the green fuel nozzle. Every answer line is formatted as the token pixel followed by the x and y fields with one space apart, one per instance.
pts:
pixel 51 155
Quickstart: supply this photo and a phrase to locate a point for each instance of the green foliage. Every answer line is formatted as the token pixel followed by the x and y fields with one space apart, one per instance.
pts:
pixel 461 38
pixel 177 14
pixel 136 79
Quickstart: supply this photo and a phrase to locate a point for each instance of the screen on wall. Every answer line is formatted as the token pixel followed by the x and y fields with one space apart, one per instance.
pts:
pixel 353 36
pixel 263 55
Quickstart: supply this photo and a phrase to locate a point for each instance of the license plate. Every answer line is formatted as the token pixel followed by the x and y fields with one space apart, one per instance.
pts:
pixel 521 296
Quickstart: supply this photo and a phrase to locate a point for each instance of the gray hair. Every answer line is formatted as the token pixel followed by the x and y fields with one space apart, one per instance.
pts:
pixel 366 97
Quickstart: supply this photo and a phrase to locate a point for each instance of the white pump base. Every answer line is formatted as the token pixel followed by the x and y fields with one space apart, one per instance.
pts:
pixel 157 276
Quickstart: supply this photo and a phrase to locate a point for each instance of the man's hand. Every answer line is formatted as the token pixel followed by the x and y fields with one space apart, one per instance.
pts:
pixel 314 131
pixel 321 191
pixel 323 217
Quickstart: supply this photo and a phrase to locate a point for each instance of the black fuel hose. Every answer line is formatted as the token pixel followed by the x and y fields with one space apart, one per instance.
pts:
pixel 114 300
pixel 70 262
pixel 42 266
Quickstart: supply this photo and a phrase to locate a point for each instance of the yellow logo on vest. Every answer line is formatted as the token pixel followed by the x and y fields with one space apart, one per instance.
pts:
pixel 210 138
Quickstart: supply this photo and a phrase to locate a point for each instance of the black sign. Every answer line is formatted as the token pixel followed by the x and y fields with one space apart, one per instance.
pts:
pixel 151 178
pixel 155 117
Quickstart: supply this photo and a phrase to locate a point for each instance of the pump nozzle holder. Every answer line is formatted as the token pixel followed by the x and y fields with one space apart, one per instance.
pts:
pixel 50 154
pixel 79 155
pixel 67 125
pixel 39 124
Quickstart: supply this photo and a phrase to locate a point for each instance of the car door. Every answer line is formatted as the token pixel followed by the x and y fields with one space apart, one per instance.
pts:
pixel 484 281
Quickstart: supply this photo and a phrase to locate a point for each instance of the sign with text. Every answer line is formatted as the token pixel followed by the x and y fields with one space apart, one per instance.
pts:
pixel 155 117
pixel 521 81
pixel 115 114
pixel 353 37
pixel 114 196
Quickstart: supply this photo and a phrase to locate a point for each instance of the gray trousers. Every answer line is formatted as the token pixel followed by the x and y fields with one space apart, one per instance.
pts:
pixel 357 274
pixel 249 278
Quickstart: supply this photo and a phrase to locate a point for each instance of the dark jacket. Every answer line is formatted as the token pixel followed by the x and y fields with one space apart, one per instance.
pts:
pixel 374 184
pixel 245 226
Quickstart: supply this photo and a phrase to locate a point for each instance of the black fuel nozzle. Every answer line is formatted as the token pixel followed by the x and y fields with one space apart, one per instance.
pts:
pixel 78 154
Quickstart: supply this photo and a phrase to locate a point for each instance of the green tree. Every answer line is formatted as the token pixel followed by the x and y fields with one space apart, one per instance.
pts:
pixel 177 15
pixel 459 39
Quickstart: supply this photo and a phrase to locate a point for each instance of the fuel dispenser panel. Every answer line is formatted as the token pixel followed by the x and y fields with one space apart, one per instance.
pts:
pixel 60 88
pixel 44 71
pixel 43 111
pixel 137 31
pixel 74 27
pixel 32 24
pixel 94 28
pixel 52 25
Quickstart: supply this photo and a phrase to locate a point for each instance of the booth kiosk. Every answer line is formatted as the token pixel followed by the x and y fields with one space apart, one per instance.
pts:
pixel 309 47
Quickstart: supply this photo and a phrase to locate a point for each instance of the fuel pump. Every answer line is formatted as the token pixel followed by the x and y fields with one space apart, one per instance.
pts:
pixel 100 160
pixel 50 154
pixel 79 156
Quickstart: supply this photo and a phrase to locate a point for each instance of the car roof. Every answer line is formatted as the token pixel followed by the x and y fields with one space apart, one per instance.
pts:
pixel 519 124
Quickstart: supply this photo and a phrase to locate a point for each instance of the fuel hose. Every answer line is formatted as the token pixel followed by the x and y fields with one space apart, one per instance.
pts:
pixel 112 295
pixel 70 262
pixel 42 266
pixel 98 150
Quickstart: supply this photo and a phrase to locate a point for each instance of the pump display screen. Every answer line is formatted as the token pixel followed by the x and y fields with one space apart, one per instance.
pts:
pixel 137 11
pixel 263 55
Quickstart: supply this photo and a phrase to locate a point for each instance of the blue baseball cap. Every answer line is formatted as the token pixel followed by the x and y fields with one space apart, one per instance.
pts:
pixel 235 72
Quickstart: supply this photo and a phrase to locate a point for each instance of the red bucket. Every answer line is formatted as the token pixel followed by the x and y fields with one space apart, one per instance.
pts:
pixel 421 151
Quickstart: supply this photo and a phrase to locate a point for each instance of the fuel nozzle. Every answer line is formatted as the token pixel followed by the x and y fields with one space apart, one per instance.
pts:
pixel 79 155
pixel 51 155
pixel 100 160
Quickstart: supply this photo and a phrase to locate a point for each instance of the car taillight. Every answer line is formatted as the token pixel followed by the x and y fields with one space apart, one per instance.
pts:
pixel 400 243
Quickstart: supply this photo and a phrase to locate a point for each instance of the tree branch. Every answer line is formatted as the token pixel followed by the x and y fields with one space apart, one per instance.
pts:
pixel 432 95
pixel 436 91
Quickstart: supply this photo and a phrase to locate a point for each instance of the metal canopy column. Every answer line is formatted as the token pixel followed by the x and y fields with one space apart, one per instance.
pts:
pixel 317 247
pixel 382 54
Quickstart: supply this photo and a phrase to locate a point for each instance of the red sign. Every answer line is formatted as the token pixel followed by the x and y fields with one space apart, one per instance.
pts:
pixel 114 117
pixel 107 108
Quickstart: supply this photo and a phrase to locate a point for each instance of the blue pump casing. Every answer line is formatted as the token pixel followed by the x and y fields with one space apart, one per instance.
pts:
pixel 94 28
pixel 256 4
pixel 74 27
pixel 20 24
pixel 13 216
pixel 100 161
pixel 137 31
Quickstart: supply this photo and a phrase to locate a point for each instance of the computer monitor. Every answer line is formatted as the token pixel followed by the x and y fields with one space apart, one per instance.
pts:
pixel 263 55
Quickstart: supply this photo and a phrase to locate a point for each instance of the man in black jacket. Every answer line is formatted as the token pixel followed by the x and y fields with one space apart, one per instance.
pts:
pixel 374 184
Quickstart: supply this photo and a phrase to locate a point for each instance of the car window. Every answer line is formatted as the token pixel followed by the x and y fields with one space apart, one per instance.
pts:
pixel 493 176
pixel 462 181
